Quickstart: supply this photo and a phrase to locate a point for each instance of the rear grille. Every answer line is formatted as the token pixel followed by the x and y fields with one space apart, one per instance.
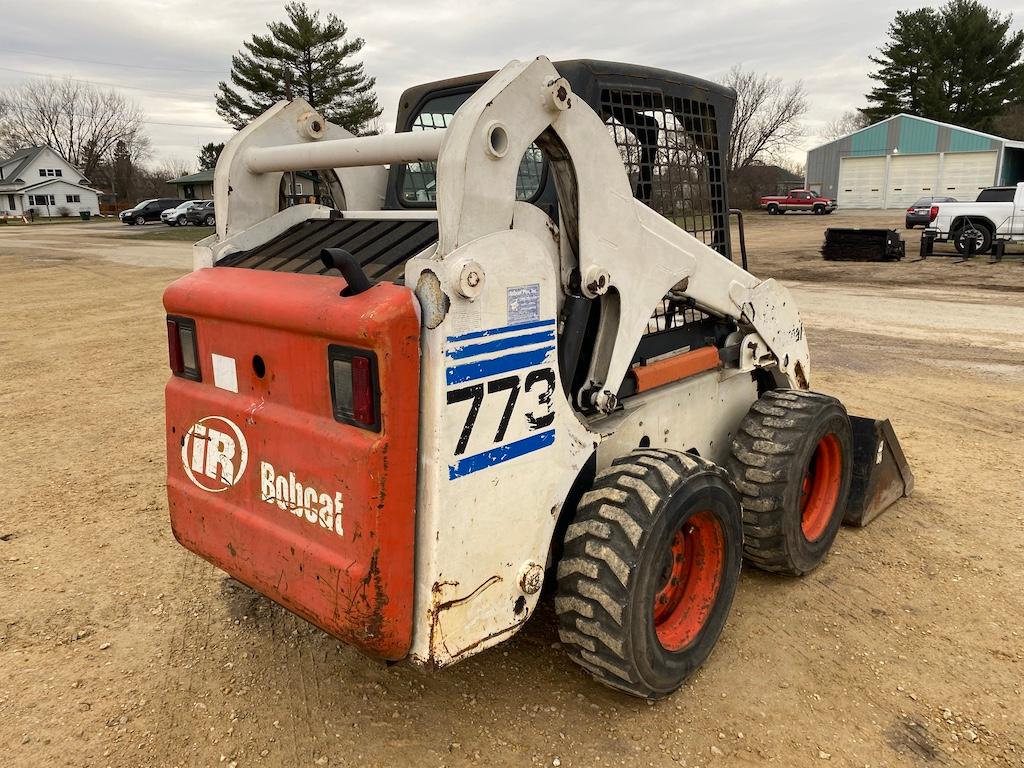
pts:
pixel 381 246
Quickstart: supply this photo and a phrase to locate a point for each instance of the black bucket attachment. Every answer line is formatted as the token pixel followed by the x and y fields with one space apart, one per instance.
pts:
pixel 844 244
pixel 881 475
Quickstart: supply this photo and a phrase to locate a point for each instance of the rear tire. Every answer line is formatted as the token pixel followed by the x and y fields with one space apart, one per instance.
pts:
pixel 649 571
pixel 773 210
pixel 792 461
pixel 210 221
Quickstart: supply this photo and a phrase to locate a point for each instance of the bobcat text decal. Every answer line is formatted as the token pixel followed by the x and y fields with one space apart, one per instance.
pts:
pixel 302 501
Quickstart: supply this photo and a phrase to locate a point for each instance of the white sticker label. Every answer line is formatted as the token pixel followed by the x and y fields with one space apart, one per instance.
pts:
pixel 523 303
pixel 214 454
pixel 224 374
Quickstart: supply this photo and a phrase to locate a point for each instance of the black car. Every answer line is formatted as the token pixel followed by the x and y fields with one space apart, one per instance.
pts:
pixel 201 215
pixel 149 210
pixel 918 213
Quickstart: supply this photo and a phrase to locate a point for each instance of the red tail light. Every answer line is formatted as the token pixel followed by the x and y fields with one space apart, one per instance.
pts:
pixel 362 391
pixel 174 347
pixel 933 213
pixel 354 390
pixel 183 348
pixel 910 209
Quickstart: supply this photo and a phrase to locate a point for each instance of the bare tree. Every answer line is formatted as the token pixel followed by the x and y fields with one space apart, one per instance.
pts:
pixel 78 121
pixel 173 168
pixel 767 120
pixel 851 120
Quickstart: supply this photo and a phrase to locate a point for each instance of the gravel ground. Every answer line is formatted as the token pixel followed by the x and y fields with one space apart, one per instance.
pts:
pixel 119 648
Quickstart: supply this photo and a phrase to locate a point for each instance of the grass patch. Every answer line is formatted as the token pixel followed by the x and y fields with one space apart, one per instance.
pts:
pixel 186 234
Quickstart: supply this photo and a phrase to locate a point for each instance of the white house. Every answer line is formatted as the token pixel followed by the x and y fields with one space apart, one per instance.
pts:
pixel 40 179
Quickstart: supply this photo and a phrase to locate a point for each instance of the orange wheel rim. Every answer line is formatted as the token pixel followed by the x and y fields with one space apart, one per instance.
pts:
pixel 819 490
pixel 690 578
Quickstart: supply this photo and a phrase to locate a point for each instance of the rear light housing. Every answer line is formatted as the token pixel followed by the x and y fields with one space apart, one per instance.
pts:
pixel 183 347
pixel 933 212
pixel 910 209
pixel 355 391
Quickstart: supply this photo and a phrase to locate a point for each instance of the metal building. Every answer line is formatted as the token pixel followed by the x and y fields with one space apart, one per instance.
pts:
pixel 894 162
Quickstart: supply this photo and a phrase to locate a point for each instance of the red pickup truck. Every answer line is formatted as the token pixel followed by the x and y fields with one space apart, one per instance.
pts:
pixel 798 200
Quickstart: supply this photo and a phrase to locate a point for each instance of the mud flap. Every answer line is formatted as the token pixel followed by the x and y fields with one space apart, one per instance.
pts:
pixel 881 474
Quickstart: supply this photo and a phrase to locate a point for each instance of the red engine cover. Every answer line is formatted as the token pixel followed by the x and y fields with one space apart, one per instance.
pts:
pixel 263 482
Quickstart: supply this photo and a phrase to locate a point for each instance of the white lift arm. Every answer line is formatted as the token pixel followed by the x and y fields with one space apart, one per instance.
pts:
pixel 627 254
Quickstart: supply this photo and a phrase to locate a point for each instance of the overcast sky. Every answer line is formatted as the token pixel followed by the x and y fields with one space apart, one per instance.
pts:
pixel 169 56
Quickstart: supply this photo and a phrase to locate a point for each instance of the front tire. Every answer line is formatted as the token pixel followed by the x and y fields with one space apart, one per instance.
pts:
pixel 792 461
pixel 773 210
pixel 210 221
pixel 819 210
pixel 649 571
pixel 140 220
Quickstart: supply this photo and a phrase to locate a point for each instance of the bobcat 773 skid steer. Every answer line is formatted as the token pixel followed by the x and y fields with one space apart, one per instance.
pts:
pixel 521 350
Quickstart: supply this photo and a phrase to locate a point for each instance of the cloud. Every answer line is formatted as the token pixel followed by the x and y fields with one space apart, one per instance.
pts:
pixel 169 56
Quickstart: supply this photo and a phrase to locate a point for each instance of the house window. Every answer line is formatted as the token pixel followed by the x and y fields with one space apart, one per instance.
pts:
pixel 42 172
pixel 50 172
pixel 58 172
pixel 74 198
pixel 41 200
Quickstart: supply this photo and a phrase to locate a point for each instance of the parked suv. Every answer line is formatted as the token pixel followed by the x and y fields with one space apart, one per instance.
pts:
pixel 918 212
pixel 149 210
pixel 202 214
pixel 173 217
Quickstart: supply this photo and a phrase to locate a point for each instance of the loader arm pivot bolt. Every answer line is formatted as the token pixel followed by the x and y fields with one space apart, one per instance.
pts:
pixel 557 95
pixel 597 282
pixel 471 280
pixel 605 401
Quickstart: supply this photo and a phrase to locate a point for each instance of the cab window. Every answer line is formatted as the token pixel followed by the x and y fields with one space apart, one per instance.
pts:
pixel 419 180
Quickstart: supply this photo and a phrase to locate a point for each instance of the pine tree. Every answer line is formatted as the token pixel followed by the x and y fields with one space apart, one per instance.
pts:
pixel 960 63
pixel 208 155
pixel 304 57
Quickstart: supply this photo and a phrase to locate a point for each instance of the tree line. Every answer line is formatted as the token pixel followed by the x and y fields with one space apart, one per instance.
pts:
pixel 959 63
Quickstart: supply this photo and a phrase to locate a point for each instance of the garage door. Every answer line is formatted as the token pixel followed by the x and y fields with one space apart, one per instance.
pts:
pixel 912 177
pixel 964 174
pixel 861 182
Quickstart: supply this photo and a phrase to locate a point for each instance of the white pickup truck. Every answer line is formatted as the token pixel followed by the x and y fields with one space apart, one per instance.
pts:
pixel 998 213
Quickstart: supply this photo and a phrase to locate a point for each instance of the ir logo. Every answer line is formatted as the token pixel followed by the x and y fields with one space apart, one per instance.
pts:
pixel 214 454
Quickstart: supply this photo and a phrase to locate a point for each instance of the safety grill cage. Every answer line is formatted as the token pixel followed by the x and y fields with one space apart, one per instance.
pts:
pixel 670 149
pixel 672 132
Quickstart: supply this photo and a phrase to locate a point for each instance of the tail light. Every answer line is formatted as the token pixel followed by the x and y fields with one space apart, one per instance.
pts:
pixel 183 348
pixel 933 213
pixel 354 391
pixel 910 209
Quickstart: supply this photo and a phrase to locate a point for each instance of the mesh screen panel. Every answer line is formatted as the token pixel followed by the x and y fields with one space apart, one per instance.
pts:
pixel 669 146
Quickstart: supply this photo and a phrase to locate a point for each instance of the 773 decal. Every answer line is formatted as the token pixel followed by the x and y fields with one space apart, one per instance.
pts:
pixel 493 375
pixel 511 385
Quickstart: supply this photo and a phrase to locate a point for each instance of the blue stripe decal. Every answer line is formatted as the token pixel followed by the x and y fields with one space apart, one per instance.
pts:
pixel 483 368
pixel 502 453
pixel 471 350
pixel 506 329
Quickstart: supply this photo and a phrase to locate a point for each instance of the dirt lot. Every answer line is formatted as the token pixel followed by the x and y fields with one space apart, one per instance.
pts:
pixel 119 648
